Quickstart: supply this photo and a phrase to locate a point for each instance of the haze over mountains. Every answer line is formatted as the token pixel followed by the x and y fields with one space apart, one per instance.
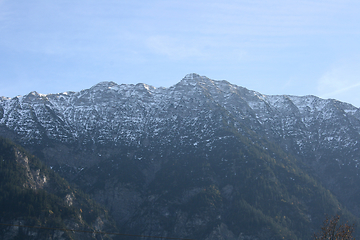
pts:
pixel 203 159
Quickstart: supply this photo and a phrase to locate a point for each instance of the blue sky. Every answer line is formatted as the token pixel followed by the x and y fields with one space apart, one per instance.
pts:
pixel 297 47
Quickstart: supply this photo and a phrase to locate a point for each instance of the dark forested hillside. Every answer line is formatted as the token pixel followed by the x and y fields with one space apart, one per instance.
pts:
pixel 232 186
pixel 33 195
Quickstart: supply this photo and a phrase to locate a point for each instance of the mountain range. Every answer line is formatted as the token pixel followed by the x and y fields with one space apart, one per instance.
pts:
pixel 202 159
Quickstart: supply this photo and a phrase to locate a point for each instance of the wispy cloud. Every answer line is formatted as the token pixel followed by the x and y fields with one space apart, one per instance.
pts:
pixel 276 18
pixel 89 27
pixel 341 82
pixel 173 48
pixel 341 91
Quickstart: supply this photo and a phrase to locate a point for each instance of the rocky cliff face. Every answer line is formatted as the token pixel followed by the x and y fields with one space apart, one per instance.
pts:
pixel 121 143
pixel 126 114
pixel 32 195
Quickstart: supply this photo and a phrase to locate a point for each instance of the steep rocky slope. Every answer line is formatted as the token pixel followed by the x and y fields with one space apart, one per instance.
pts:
pixel 32 195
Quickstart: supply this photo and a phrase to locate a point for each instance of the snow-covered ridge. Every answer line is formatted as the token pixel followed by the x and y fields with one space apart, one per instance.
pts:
pixel 127 113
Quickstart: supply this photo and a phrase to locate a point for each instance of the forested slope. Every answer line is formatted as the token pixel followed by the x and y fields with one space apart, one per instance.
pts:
pixel 33 195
